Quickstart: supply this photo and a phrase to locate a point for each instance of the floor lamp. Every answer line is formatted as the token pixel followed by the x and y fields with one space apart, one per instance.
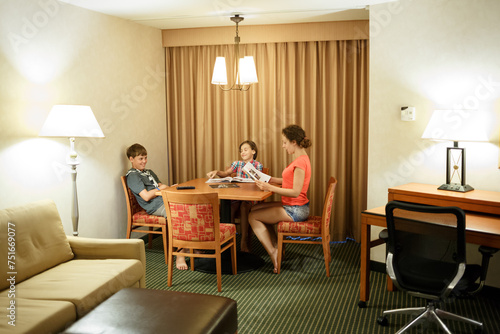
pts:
pixel 456 125
pixel 72 121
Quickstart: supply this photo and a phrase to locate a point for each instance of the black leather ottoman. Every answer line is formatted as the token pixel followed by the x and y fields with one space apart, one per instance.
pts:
pixel 135 310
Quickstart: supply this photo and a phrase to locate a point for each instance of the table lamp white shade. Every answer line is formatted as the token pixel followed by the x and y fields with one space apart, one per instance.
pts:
pixel 71 121
pixel 457 125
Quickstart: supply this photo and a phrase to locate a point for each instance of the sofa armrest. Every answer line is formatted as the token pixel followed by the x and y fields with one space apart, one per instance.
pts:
pixel 93 248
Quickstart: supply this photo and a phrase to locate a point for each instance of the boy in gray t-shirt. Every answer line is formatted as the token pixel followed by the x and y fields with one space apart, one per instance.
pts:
pixel 144 185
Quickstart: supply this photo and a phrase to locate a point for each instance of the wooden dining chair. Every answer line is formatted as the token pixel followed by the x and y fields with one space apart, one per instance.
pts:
pixel 193 223
pixel 313 227
pixel 137 218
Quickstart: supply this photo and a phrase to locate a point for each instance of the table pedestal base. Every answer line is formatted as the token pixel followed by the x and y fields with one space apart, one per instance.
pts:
pixel 245 261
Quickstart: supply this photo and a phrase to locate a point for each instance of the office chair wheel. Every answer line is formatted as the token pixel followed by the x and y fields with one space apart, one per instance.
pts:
pixel 362 304
pixel 382 320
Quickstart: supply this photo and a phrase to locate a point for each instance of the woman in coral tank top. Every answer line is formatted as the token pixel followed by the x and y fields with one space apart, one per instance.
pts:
pixel 294 205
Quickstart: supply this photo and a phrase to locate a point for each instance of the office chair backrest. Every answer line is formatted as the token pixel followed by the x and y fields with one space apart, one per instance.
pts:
pixel 426 247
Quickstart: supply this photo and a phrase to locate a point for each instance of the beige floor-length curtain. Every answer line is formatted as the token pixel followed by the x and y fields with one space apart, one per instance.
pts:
pixel 321 86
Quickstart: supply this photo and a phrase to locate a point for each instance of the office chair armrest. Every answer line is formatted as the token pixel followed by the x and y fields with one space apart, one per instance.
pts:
pixel 384 235
pixel 485 250
pixel 487 253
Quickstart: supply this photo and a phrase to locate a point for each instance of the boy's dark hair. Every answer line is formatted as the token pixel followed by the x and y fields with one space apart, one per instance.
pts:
pixel 135 150
pixel 253 146
pixel 295 132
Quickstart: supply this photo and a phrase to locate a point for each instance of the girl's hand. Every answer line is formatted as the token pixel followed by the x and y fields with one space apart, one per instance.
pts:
pixel 212 174
pixel 263 185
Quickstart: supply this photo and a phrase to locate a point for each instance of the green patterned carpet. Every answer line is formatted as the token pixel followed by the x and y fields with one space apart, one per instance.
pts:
pixel 303 300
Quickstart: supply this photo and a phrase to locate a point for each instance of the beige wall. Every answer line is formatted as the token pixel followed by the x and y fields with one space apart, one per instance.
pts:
pixel 431 54
pixel 53 53
pixel 272 33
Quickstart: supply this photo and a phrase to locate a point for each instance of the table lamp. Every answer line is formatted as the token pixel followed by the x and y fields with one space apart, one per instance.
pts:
pixel 456 125
pixel 72 121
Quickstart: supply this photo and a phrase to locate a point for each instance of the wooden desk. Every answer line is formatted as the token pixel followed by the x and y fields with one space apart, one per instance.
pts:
pixel 482 219
pixel 476 200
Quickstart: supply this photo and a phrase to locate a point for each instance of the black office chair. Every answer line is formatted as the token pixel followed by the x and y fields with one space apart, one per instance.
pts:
pixel 426 257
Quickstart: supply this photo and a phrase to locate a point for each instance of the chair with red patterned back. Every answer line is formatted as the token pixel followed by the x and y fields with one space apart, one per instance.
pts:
pixel 313 227
pixel 193 223
pixel 137 218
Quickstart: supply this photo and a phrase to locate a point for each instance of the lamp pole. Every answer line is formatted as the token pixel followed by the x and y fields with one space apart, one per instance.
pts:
pixel 73 162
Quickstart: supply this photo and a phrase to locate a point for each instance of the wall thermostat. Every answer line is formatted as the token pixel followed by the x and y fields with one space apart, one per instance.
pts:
pixel 408 113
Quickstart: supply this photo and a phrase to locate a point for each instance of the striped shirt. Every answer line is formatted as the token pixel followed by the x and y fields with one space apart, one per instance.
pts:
pixel 237 168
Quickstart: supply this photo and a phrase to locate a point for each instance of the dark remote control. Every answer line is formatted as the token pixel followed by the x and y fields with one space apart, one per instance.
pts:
pixel 185 187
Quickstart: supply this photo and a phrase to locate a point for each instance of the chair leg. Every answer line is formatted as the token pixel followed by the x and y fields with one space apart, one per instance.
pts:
pixel 329 250
pixel 440 322
pixel 218 268
pixel 409 310
pixel 421 318
pixel 129 230
pixel 165 243
pixel 326 254
pixel 170 263
pixel 191 258
pixel 234 257
pixel 150 239
pixel 456 317
pixel 280 250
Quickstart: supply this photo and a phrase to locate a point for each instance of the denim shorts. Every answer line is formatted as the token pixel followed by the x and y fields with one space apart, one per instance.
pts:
pixel 299 213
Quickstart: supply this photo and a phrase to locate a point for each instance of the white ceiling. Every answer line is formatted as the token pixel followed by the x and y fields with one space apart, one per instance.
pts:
pixel 175 14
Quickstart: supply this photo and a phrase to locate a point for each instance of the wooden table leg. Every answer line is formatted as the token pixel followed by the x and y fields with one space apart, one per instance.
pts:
pixel 225 211
pixel 390 284
pixel 364 287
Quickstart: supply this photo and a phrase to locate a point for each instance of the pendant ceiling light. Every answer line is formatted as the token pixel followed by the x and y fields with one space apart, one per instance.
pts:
pixel 245 73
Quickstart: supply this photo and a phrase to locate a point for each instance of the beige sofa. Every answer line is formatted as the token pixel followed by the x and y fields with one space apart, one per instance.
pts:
pixel 49 280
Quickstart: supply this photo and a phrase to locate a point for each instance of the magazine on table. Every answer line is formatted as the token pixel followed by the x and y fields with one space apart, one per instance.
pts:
pixel 224 185
pixel 229 179
pixel 255 174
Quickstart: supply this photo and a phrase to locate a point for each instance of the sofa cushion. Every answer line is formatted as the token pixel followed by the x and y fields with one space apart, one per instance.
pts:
pixel 85 283
pixel 38 237
pixel 36 316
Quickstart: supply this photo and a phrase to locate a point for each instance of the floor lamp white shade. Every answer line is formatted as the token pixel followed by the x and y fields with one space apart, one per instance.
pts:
pixel 72 121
